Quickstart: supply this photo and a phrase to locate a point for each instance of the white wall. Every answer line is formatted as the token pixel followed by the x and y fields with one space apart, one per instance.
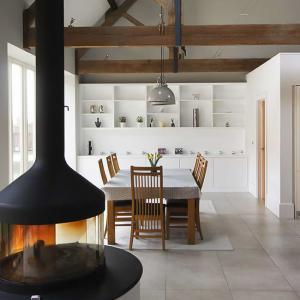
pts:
pixel 138 140
pixel 290 76
pixel 274 81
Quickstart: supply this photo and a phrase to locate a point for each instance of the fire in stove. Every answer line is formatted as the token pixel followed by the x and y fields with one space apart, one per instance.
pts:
pixel 47 255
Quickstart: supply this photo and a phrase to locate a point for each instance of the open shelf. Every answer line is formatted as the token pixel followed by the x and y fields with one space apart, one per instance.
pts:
pixel 216 103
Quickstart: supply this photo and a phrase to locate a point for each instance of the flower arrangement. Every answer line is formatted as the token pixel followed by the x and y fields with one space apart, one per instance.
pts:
pixel 140 119
pixel 153 158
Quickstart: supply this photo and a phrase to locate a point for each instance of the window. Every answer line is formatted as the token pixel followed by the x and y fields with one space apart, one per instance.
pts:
pixel 22 116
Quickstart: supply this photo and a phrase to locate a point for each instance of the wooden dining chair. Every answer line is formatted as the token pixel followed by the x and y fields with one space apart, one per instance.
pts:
pixel 148 217
pixel 102 172
pixel 122 208
pixel 115 162
pixel 110 167
pixel 177 210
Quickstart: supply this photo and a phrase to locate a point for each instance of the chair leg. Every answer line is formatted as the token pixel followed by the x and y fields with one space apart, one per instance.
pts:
pixel 168 224
pixel 131 237
pixel 105 230
pixel 163 236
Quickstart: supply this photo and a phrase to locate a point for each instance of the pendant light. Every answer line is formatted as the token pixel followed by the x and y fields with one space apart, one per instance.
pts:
pixel 161 94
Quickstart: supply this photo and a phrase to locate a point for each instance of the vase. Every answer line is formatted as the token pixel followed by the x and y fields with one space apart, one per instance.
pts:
pixel 139 124
pixel 122 124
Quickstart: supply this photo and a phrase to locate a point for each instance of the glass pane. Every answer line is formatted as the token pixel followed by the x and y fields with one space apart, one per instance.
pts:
pixel 30 96
pixel 16 113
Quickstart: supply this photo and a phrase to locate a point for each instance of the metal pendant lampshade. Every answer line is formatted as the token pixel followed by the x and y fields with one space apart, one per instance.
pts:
pixel 161 95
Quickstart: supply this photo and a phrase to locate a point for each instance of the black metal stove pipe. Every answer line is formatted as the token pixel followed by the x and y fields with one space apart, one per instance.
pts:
pixel 50 81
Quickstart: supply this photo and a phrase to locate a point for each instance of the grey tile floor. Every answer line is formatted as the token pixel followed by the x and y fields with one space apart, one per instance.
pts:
pixel 264 265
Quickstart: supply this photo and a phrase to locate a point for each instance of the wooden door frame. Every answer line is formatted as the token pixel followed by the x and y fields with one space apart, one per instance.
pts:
pixel 261 147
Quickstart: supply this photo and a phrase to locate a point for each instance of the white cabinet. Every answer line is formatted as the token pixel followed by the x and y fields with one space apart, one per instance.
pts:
pixel 88 168
pixel 230 173
pixel 126 163
pixel 224 174
pixel 169 163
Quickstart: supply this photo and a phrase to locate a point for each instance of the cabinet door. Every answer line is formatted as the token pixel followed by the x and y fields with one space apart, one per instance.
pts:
pixel 230 174
pixel 169 163
pixel 126 163
pixel 187 162
pixel 88 168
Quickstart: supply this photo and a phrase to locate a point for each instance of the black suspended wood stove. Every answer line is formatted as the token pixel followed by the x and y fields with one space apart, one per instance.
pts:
pixel 41 210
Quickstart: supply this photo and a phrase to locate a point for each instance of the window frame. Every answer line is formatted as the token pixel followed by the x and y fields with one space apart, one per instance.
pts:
pixel 24 117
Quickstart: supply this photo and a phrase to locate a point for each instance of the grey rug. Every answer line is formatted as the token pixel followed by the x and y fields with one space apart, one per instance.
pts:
pixel 215 239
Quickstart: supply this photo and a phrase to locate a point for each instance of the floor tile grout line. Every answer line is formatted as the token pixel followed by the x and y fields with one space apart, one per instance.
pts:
pixel 270 257
pixel 224 274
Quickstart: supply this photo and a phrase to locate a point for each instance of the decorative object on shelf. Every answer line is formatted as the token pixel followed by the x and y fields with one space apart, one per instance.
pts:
pixel 206 152
pixel 144 152
pixel 153 158
pixel 90 148
pixel 196 117
pixel 98 123
pixel 93 109
pixel 122 122
pixel 162 151
pixel 151 123
pixel 161 124
pixel 172 123
pixel 196 96
pixel 242 152
pixel 161 94
pixel 233 152
pixel 178 151
pixel 192 152
pixel 101 109
pixel 221 152
pixel 227 124
pixel 71 24
pixel 139 121
pixel 128 153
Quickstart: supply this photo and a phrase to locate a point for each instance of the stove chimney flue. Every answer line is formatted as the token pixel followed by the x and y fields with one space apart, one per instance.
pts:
pixel 50 192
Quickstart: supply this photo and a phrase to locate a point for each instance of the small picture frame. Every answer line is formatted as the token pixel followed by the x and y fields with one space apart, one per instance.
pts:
pixel 162 151
pixel 178 151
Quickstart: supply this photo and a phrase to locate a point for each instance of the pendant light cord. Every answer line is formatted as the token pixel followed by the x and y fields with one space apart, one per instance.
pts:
pixel 162 67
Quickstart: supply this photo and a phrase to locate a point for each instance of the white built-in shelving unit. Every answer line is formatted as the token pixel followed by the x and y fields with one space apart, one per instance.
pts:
pixel 218 104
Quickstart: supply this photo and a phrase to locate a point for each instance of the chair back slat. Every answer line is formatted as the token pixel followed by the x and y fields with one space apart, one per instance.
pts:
pixel 115 162
pixel 147 198
pixel 201 172
pixel 102 172
pixel 110 167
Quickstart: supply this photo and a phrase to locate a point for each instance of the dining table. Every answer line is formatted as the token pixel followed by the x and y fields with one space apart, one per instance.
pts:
pixel 177 184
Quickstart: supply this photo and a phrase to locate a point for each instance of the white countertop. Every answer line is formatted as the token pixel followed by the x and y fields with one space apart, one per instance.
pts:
pixel 168 156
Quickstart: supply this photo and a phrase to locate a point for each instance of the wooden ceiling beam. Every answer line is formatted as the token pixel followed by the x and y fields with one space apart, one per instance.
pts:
pixel 202 35
pixel 111 17
pixel 132 19
pixel 153 66
pixel 28 22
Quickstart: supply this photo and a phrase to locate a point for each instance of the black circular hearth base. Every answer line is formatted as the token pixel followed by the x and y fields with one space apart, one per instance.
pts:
pixel 122 272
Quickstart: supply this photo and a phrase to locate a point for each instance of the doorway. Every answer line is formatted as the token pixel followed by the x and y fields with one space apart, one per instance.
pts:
pixel 262 149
